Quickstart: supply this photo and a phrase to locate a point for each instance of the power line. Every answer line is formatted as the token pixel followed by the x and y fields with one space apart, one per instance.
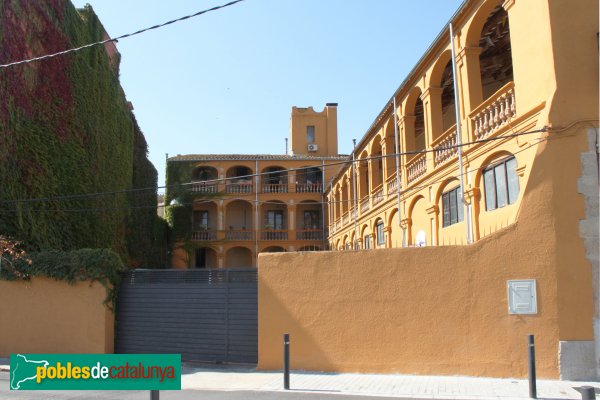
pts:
pixel 410 189
pixel 72 50
pixel 221 180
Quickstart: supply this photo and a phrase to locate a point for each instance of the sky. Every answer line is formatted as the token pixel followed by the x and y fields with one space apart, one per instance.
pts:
pixel 226 81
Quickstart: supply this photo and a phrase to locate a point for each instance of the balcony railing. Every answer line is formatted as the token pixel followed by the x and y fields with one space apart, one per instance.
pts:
pixel 346 218
pixel 239 234
pixel 494 112
pixel 309 234
pixel 378 195
pixel 309 188
pixel 444 147
pixel 244 187
pixel 364 204
pixel 203 187
pixel 338 224
pixel 416 167
pixel 274 234
pixel 204 235
pixel 274 188
pixel 392 185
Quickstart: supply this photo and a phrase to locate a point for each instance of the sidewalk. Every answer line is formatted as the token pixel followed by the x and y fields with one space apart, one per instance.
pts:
pixel 233 378
pixel 439 387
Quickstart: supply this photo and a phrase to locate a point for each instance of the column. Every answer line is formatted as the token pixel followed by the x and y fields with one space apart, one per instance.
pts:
pixel 469 84
pixel 406 127
pixel 472 198
pixel 433 213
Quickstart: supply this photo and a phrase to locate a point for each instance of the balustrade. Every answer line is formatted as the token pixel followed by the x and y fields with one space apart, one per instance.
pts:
pixel 444 148
pixel 417 167
pixel 494 112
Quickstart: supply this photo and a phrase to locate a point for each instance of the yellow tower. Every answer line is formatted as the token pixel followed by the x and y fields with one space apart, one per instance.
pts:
pixel 314 133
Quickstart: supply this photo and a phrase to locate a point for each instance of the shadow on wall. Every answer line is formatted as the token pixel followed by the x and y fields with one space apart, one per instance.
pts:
pixel 303 347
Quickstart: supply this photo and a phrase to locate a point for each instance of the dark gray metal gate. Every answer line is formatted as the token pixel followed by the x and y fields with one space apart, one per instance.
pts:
pixel 204 315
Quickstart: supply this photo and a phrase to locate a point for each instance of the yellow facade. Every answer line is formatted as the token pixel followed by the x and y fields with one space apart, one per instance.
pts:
pixel 263 202
pixel 506 79
pixel 527 78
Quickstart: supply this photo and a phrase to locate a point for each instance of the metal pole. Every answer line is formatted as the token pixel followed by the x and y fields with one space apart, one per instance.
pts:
pixel 154 395
pixel 355 211
pixel 397 145
pixel 459 141
pixel 256 212
pixel 323 198
pixel 588 393
pixel 286 361
pixel 531 365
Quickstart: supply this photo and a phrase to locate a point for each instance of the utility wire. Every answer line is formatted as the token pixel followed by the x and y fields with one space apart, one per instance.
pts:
pixel 410 189
pixel 72 50
pixel 220 180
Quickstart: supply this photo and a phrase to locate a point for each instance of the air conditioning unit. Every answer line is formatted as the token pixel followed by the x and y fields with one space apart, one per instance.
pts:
pixel 313 147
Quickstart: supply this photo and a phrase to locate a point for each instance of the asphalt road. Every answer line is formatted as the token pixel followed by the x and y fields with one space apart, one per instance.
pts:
pixel 7 394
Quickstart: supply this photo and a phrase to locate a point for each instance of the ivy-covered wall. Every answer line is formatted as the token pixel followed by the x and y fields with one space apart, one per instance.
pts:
pixel 66 128
pixel 179 201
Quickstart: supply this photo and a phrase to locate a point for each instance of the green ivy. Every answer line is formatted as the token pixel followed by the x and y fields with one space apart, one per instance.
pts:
pixel 179 200
pixel 96 265
pixel 66 128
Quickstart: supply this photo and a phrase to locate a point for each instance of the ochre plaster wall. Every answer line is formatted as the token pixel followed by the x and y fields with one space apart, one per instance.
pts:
pixel 436 310
pixel 48 316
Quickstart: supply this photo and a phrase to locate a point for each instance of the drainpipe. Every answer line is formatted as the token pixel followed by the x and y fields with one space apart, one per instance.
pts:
pixel 467 209
pixel 323 204
pixel 257 224
pixel 398 181
pixel 354 191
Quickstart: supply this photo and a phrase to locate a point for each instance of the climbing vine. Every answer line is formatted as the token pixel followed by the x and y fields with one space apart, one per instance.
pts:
pixel 66 128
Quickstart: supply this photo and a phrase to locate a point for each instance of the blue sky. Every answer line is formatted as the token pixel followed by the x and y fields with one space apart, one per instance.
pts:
pixel 225 82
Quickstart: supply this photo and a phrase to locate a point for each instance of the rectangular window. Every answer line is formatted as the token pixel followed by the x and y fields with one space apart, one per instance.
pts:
pixel 200 220
pixel 452 207
pixel 275 220
pixel 490 189
pixel 513 180
pixel 310 134
pixel 501 188
pixel 380 234
pixel 501 184
pixel 312 219
pixel 367 242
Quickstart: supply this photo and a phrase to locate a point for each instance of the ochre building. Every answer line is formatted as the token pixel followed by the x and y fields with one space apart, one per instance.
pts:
pixel 431 279
pixel 245 204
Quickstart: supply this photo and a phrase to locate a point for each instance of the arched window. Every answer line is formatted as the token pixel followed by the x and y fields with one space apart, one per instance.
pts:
pixel 495 60
pixel 501 184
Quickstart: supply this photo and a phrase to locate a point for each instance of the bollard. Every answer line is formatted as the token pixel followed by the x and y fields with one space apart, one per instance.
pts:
pixel 531 358
pixel 154 395
pixel 286 361
pixel 588 393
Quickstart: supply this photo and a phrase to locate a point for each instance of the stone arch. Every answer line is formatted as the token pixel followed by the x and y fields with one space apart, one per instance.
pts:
pixel 478 21
pixel 238 256
pixel 363 172
pixel 376 162
pixel 435 78
pixel 490 159
pixel 273 249
pixel 205 257
pixel 395 232
pixel 419 221
pixel 443 186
